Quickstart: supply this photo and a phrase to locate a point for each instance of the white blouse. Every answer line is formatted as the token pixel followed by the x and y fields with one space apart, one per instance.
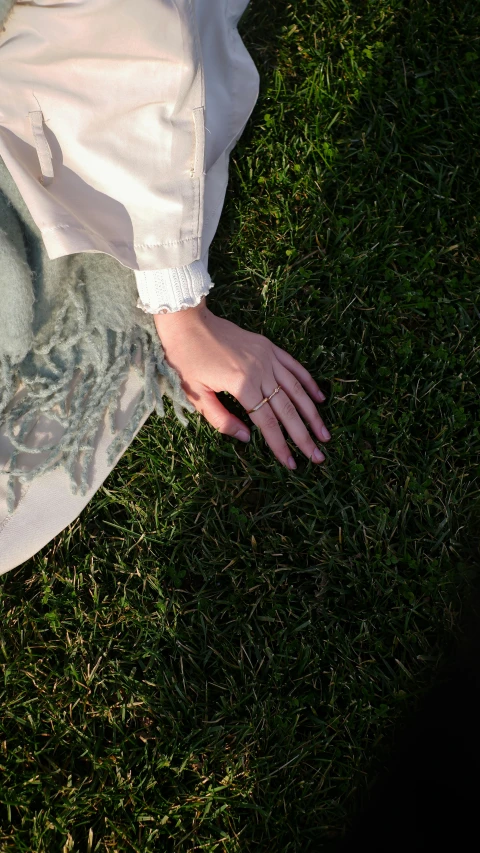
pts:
pixel 117 120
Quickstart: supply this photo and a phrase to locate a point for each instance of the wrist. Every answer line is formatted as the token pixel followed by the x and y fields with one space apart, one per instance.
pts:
pixel 183 318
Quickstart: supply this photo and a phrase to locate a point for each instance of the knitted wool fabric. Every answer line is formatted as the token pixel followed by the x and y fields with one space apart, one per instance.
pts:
pixel 70 332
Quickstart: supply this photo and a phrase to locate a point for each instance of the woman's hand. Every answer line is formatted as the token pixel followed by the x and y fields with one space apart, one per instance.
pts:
pixel 211 355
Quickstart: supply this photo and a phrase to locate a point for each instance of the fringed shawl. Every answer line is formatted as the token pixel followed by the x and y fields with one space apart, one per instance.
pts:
pixel 70 333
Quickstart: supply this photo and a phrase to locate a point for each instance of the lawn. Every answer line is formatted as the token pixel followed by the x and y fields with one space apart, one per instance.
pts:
pixel 215 656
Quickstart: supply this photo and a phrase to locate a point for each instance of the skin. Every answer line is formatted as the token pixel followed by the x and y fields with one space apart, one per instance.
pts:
pixel 212 355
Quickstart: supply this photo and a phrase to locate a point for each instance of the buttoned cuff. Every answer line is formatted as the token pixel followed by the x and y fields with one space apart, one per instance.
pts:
pixel 173 289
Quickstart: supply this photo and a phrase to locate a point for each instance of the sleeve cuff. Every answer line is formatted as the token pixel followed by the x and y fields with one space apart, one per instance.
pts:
pixel 173 289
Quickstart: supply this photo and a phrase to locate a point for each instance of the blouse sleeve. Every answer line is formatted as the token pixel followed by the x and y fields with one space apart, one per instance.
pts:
pixel 168 290
pixel 117 120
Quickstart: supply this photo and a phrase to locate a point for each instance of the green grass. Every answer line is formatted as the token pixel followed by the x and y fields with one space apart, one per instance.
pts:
pixel 215 655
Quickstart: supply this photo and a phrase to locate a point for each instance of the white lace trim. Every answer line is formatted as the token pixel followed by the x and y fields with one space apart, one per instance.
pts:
pixel 173 289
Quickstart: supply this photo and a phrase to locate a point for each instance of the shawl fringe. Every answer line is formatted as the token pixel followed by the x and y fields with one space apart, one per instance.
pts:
pixel 76 383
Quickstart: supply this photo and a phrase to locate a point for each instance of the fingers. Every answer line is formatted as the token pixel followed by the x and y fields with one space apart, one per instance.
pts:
pixel 300 372
pixel 219 417
pixel 282 410
pixel 301 400
pixel 269 426
pixel 292 407
pixel 286 412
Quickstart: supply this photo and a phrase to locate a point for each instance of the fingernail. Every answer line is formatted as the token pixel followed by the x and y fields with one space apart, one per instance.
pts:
pixel 318 455
pixel 291 463
pixel 242 434
pixel 321 396
pixel 325 433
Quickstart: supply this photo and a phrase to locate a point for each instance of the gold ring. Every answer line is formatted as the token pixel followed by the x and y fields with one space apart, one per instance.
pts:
pixel 265 400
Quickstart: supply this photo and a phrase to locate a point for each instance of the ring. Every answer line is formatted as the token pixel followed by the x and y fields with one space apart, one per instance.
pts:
pixel 265 400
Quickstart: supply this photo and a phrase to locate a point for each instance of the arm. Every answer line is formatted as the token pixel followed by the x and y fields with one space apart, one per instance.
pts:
pixel 140 178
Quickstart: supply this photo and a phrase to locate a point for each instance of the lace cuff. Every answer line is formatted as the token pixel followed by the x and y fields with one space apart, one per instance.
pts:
pixel 173 289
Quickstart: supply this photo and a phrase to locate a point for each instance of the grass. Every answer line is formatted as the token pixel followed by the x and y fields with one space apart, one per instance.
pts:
pixel 216 654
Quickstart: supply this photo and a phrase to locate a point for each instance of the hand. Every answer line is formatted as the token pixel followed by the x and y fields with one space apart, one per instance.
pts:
pixel 212 354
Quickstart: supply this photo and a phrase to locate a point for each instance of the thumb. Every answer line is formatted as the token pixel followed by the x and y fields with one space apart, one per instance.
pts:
pixel 219 417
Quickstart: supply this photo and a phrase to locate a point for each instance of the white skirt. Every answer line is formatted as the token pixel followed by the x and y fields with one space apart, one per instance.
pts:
pixel 45 506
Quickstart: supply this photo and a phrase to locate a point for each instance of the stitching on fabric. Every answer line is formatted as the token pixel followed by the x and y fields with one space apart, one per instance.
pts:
pixel 197 213
pixel 199 126
pixel 121 242
pixel 152 245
